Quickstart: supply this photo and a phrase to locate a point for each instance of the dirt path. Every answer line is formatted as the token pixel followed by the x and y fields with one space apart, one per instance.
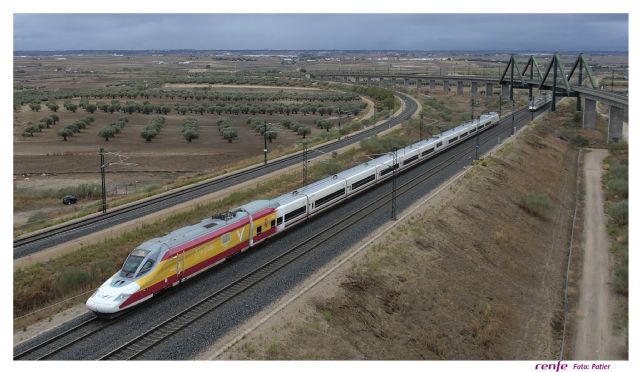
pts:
pixel 594 335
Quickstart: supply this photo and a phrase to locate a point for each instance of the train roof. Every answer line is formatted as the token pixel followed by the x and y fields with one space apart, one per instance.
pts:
pixel 206 226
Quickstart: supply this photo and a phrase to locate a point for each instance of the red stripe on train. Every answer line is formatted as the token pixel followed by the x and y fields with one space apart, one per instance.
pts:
pixel 137 296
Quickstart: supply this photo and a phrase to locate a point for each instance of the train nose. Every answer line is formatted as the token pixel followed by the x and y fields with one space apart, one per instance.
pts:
pixel 104 303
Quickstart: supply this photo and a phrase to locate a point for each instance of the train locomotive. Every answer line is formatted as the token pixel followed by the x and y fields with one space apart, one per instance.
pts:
pixel 163 262
pixel 539 101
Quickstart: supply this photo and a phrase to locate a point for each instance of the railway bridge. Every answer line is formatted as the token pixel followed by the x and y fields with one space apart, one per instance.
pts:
pixel 579 82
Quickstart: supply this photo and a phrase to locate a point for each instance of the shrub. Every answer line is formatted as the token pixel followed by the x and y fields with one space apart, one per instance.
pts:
pixel 619 212
pixel 536 204
pixel 618 187
pixel 73 278
pixel 618 148
pixel 621 280
pixel 620 171
pixel 579 141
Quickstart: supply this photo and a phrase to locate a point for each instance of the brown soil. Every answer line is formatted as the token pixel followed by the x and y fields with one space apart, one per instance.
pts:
pixel 471 275
pixel 46 157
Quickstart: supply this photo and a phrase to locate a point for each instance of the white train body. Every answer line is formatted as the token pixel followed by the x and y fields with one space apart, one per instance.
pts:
pixel 166 261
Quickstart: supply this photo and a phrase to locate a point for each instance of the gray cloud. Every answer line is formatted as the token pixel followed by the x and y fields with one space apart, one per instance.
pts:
pixel 585 32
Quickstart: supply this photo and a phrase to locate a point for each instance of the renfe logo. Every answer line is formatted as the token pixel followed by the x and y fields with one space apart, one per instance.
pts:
pixel 552 366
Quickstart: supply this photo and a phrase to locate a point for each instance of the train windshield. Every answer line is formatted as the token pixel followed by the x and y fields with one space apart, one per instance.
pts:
pixel 133 261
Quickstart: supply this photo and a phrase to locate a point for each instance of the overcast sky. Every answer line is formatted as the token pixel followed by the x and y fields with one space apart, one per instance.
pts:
pixel 527 32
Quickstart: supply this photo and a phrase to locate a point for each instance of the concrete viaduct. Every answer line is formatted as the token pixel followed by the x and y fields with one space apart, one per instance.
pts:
pixel 558 82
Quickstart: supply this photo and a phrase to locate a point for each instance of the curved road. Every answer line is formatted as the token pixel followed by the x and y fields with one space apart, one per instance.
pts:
pixel 23 246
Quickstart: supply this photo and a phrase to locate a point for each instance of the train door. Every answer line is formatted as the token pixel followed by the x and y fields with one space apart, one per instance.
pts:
pixel 179 267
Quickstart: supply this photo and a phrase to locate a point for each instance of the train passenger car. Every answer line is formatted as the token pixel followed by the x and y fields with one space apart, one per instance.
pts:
pixel 291 210
pixel 163 262
pixel 358 178
pixel 538 101
pixel 408 156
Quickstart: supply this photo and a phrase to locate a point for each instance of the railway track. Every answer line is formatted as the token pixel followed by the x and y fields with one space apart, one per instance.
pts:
pixel 62 340
pixel 136 347
pixel 32 243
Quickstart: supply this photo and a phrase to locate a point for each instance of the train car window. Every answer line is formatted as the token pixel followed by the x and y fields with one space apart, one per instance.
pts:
pixel 427 151
pixel 390 169
pixel 279 220
pixel 413 158
pixel 480 126
pixel 453 139
pixel 463 134
pixel 439 144
pixel 273 223
pixel 259 230
pixel 472 130
pixel 295 213
pixel 330 197
pixel 363 181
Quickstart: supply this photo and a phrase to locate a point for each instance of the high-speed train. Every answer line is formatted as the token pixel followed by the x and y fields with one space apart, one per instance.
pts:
pixel 163 262
pixel 538 101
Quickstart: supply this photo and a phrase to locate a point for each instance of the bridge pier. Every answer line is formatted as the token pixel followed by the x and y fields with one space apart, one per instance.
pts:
pixel 432 85
pixel 445 86
pixel 474 89
pixel 418 85
pixel 489 90
pixel 589 114
pixel 505 90
pixel 459 89
pixel 357 79
pixel 345 79
pixel 369 80
pixel 406 82
pixel 616 115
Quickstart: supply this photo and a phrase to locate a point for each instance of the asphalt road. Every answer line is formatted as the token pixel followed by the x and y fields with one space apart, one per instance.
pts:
pixel 202 333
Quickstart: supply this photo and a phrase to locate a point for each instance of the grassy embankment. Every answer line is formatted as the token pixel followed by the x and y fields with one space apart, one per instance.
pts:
pixel 459 279
pixel 616 185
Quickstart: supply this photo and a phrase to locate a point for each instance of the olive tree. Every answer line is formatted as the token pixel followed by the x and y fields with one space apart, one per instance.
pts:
pixel 303 131
pixel 28 131
pixel 107 132
pixel 91 108
pixel 229 134
pixel 148 133
pixel 65 132
pixel 53 106
pixel 271 135
pixel 35 106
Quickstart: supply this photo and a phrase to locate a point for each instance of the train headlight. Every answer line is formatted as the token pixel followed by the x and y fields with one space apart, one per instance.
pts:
pixel 122 296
